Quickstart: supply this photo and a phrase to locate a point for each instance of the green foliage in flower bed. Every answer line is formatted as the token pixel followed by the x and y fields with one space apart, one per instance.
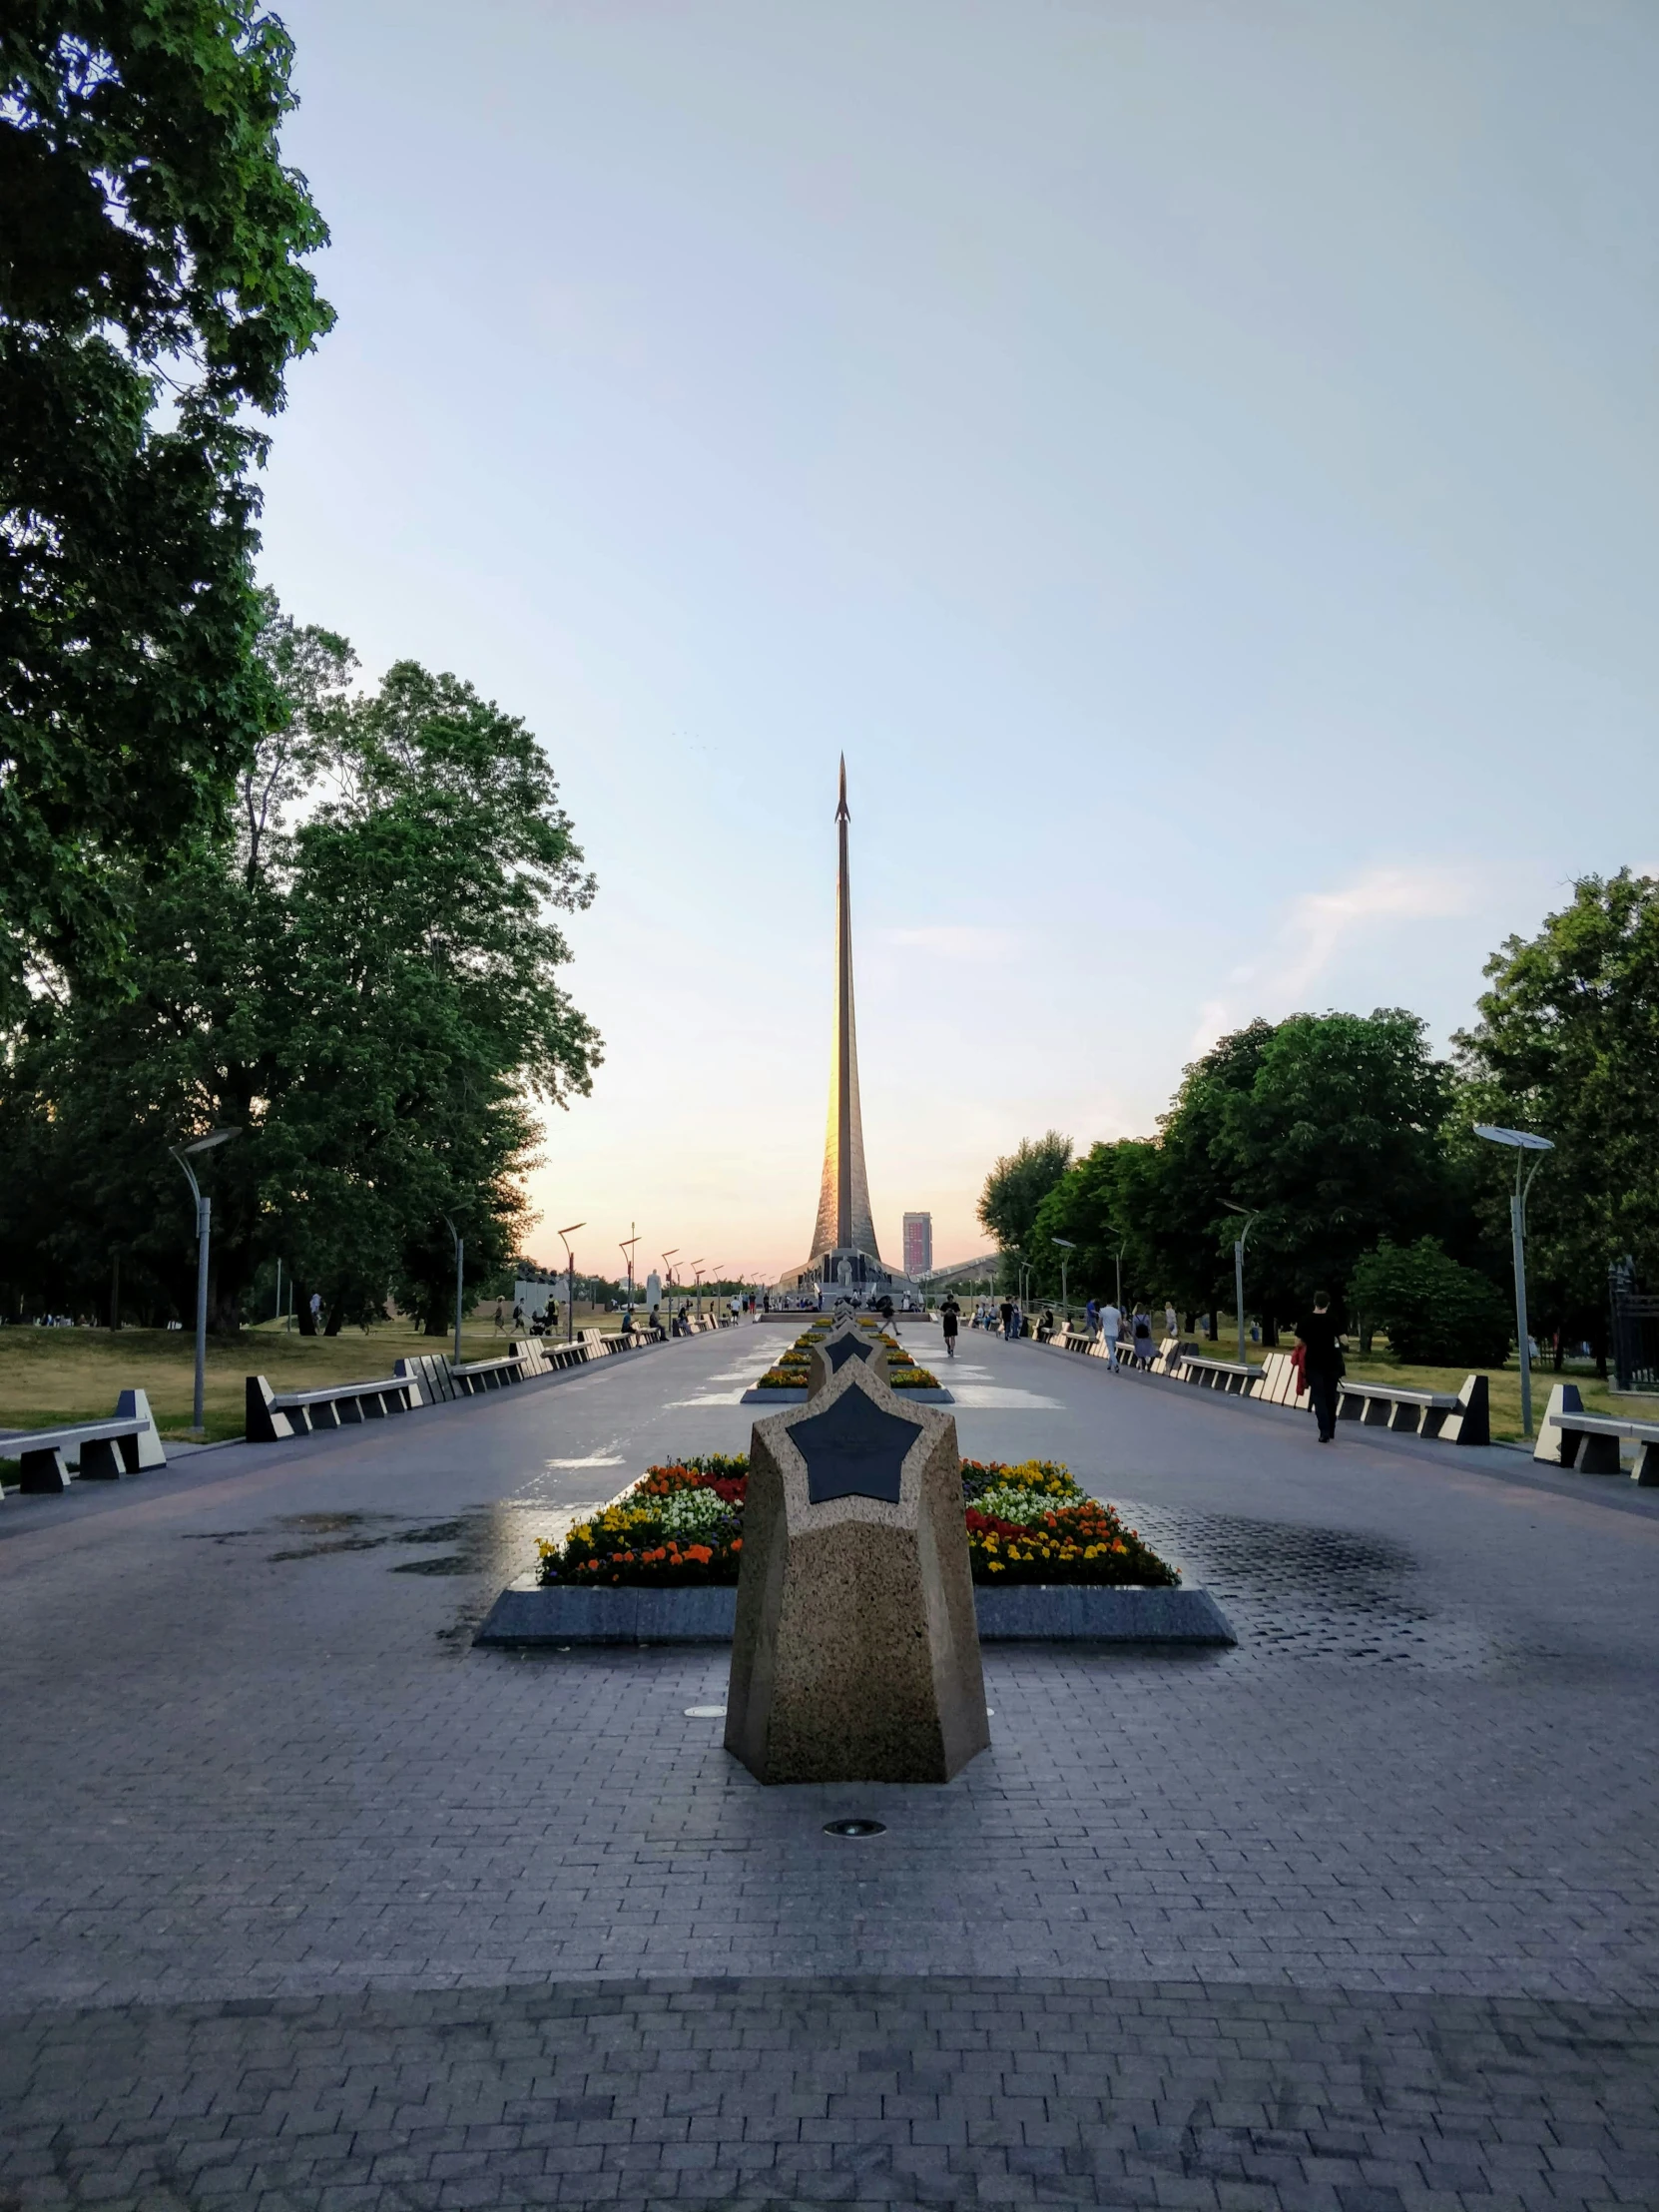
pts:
pixel 683 1524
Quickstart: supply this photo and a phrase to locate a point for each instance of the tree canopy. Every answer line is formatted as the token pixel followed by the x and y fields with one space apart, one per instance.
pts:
pixel 1017 1186
pixel 1567 1044
pixel 151 298
pixel 361 973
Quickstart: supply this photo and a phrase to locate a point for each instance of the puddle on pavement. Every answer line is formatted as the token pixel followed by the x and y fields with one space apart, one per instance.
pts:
pixel 498 1541
pixel 1298 1591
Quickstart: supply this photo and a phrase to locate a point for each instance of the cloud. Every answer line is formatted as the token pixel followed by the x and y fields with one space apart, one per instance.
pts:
pixel 1318 926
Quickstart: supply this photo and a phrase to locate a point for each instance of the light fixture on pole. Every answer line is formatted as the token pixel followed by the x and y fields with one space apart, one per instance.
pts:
pixel 203 1231
pixel 1523 1142
pixel 696 1267
pixel 1238 1264
pixel 666 1258
pixel 564 1236
pixel 627 1250
pixel 1065 1244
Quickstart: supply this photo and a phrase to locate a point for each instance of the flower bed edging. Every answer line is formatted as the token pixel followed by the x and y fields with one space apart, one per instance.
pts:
pixel 528 1612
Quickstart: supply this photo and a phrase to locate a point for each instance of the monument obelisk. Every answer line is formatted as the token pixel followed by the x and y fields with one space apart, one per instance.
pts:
pixel 844 1251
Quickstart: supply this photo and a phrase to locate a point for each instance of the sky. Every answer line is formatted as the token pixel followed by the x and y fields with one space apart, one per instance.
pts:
pixel 1196 458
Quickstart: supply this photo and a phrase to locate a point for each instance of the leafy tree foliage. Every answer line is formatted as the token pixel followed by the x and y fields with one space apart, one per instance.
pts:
pixel 370 991
pixel 1017 1186
pixel 1435 1313
pixel 1567 1043
pixel 1101 1205
pixel 151 296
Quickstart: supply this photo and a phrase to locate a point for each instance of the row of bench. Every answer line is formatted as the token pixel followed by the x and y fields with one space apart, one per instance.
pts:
pixel 424 1378
pixel 49 1459
pixel 1463 1419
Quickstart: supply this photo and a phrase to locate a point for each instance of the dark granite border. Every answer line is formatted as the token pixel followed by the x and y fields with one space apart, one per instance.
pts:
pixel 526 1613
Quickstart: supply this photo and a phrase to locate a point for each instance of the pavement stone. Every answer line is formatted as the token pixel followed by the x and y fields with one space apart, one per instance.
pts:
pixel 311 1903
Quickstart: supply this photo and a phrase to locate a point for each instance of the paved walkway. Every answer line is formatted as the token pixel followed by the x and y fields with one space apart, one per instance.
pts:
pixel 306 1895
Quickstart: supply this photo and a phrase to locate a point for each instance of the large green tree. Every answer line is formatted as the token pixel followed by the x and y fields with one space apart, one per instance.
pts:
pixel 361 973
pixel 151 296
pixel 1016 1186
pixel 1567 1044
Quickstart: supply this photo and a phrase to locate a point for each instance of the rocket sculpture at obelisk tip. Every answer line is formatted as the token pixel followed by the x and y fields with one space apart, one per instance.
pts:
pixel 844 1240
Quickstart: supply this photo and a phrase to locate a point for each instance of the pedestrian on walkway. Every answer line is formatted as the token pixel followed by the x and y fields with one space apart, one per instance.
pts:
pixel 1110 1322
pixel 1143 1338
pixel 1322 1362
pixel 1091 1318
pixel 1170 1323
pixel 1006 1310
pixel 950 1315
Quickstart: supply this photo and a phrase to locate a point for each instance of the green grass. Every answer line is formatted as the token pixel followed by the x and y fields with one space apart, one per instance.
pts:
pixel 50 1377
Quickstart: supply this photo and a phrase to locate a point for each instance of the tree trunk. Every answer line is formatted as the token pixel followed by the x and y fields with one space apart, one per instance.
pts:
pixel 115 1288
pixel 301 1294
pixel 336 1314
pixel 1270 1329
pixel 1214 1329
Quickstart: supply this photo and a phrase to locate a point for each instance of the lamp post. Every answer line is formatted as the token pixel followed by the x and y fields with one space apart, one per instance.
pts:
pixel 564 1236
pixel 1523 1142
pixel 460 1272
pixel 696 1267
pixel 203 1231
pixel 1065 1244
pixel 1238 1264
pixel 627 1250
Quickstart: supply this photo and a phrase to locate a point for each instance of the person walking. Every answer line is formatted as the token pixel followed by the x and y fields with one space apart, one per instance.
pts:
pixel 1321 1346
pixel 1109 1319
pixel 950 1315
pixel 1143 1338
pixel 1091 1318
pixel 1006 1310
pixel 1169 1318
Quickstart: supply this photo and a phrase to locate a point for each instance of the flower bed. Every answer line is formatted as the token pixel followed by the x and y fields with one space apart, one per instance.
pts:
pixel 682 1524
pixel 790 1370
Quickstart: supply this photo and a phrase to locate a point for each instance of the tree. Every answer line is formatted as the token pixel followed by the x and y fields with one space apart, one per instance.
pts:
pixel 370 993
pixel 1100 1207
pixel 1567 1044
pixel 1436 1313
pixel 1017 1186
pixel 151 296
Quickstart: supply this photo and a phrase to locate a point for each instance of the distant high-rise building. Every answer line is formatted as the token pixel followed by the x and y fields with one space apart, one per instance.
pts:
pixel 919 1244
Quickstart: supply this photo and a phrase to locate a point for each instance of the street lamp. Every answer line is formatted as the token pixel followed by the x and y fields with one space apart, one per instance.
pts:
pixel 1065 1244
pixel 1523 1142
pixel 204 1230
pixel 460 1275
pixel 627 1250
pixel 696 1267
pixel 564 1236
pixel 1238 1264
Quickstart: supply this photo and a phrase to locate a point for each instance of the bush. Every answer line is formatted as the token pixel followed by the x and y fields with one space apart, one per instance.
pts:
pixel 1436 1313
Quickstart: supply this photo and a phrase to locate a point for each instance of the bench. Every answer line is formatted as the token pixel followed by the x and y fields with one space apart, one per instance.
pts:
pixel 1464 1420
pixel 1236 1377
pixel 101 1451
pixel 1568 1436
pixel 300 1412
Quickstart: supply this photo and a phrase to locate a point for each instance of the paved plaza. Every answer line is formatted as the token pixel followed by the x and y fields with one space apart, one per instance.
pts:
pixel 311 1904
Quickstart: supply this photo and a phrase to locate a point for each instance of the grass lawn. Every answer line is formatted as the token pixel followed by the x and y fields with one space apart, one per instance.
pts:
pixel 52 1376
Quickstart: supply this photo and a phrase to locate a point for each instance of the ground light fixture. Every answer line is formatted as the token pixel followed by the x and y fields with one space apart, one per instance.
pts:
pixel 183 1153
pixel 855 1829
pixel 1238 1264
pixel 1523 1142
pixel 564 1236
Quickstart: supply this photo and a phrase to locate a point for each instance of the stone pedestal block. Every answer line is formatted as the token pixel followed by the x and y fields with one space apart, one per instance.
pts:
pixel 846 1342
pixel 854 1654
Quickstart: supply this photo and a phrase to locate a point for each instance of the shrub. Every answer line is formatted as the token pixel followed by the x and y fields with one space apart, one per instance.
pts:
pixel 1436 1313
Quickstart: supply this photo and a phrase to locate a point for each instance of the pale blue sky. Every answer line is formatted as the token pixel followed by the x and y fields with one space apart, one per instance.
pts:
pixel 1198 460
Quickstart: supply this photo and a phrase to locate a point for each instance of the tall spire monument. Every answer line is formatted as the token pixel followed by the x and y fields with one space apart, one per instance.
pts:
pixel 845 1253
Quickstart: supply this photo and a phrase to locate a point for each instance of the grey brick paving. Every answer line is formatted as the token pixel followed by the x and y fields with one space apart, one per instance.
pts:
pixel 876 2090
pixel 317 1904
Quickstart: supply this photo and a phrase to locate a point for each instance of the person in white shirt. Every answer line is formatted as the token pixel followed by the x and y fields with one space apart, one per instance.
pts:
pixel 1169 1319
pixel 1109 1332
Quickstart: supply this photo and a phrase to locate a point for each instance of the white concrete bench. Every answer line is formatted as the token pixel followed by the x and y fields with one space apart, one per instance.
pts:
pixel 300 1412
pixel 98 1451
pixel 1236 1377
pixel 1464 1420
pixel 1570 1438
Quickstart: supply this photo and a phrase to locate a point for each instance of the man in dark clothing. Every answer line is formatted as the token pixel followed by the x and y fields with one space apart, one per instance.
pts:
pixel 1321 1363
pixel 1006 1309
pixel 950 1314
